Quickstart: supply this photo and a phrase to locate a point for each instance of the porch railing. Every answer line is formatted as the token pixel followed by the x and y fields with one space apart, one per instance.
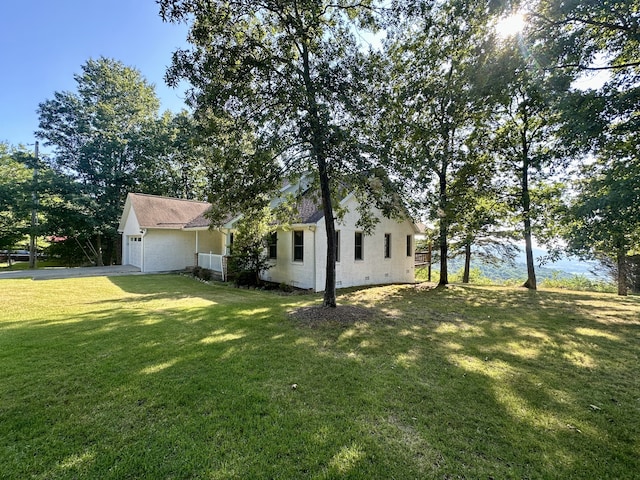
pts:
pixel 216 263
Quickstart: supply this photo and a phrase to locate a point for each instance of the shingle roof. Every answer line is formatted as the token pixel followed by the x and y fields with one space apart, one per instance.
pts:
pixel 309 209
pixel 153 211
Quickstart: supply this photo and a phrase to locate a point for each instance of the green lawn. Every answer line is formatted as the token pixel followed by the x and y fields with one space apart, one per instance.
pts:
pixel 165 377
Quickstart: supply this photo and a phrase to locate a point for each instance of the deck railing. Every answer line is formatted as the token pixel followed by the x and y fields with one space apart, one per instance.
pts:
pixel 422 258
pixel 214 262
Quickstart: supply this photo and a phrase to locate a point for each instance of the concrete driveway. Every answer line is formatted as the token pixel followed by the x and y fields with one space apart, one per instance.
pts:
pixel 50 273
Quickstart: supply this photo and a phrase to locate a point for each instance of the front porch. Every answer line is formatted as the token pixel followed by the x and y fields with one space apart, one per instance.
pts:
pixel 214 262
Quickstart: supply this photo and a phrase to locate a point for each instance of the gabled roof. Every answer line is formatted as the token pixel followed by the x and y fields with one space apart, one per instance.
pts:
pixel 153 211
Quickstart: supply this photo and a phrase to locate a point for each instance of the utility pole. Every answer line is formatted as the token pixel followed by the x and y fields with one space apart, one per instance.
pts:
pixel 33 237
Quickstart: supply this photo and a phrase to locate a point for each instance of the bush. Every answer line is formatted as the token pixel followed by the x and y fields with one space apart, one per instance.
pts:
pixel 206 274
pixel 579 283
pixel 196 271
pixel 246 278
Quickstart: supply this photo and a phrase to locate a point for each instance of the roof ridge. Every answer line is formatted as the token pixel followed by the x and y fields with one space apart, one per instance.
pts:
pixel 169 198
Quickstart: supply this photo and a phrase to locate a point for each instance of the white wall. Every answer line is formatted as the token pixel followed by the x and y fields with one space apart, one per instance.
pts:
pixel 210 242
pixel 166 250
pixel 285 270
pixel 373 269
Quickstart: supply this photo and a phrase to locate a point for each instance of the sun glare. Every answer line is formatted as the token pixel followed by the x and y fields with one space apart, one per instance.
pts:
pixel 510 25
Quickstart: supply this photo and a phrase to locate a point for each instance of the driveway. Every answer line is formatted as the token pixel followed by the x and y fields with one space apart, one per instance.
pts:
pixel 61 272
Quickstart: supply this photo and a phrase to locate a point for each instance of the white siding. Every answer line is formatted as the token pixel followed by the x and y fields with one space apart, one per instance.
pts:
pixel 295 273
pixel 166 250
pixel 373 269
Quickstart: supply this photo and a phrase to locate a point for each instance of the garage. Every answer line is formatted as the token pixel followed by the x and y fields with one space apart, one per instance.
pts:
pixel 135 251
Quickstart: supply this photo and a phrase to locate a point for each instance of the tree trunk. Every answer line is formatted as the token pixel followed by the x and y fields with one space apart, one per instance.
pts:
pixel 318 137
pixel 622 272
pixel 329 299
pixel 99 260
pixel 444 229
pixel 467 262
pixel 531 271
pixel 526 215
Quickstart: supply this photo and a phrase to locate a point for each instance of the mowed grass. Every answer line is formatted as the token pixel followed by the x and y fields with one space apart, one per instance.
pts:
pixel 164 377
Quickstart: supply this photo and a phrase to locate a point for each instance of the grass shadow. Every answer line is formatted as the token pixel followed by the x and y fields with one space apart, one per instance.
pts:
pixel 165 377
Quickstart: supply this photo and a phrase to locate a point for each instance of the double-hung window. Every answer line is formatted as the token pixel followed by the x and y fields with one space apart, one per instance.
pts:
pixel 387 245
pixel 298 245
pixel 273 245
pixel 359 246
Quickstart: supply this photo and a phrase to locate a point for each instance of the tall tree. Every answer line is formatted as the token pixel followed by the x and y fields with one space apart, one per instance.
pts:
pixel 604 217
pixel 15 196
pixel 575 38
pixel 482 223
pixel 96 134
pixel 277 82
pixel 589 35
pixel 528 125
pixel 175 158
pixel 437 50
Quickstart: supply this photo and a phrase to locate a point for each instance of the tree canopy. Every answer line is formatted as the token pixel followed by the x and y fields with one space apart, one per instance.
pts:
pixel 280 84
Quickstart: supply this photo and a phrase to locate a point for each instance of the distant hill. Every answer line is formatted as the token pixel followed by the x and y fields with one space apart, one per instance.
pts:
pixel 565 267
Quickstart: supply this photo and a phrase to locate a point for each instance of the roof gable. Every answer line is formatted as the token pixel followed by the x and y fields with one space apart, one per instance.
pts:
pixel 154 211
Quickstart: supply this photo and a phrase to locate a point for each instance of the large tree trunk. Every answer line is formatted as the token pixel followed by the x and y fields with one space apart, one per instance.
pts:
pixel 444 229
pixel 622 272
pixel 329 299
pixel 318 138
pixel 467 262
pixel 528 246
pixel 526 215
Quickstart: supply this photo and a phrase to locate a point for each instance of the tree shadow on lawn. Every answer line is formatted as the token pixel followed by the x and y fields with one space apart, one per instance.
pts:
pixel 161 389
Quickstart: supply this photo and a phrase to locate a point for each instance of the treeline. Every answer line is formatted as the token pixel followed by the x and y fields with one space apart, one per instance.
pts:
pixel 108 138
pixel 435 107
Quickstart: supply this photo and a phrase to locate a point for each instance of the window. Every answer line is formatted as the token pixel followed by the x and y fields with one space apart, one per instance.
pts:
pixel 273 245
pixel 298 245
pixel 409 245
pixel 387 245
pixel 359 247
pixel 230 245
pixel 337 245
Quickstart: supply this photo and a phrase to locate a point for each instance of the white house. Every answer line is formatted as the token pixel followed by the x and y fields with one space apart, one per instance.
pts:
pixel 164 234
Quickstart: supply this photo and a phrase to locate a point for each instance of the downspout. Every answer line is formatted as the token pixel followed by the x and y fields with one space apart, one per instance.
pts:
pixel 143 231
pixel 315 259
pixel 197 248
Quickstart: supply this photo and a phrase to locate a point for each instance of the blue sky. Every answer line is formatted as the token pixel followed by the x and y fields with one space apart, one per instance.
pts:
pixel 43 43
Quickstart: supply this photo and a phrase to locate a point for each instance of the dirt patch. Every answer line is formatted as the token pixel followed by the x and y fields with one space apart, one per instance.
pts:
pixel 317 315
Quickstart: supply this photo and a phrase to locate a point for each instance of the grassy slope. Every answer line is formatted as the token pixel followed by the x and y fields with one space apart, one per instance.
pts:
pixel 164 377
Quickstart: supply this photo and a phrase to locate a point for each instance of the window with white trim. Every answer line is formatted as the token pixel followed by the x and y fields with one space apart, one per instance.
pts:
pixel 359 246
pixel 273 245
pixel 298 245
pixel 387 245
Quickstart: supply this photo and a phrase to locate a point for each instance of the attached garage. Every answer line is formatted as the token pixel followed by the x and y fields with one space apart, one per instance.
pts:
pixel 161 234
pixel 134 246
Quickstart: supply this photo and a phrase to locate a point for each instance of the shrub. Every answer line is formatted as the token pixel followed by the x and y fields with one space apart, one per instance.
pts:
pixel 247 278
pixel 206 274
pixel 578 282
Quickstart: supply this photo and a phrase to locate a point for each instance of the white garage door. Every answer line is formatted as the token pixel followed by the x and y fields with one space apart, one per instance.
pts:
pixel 135 251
